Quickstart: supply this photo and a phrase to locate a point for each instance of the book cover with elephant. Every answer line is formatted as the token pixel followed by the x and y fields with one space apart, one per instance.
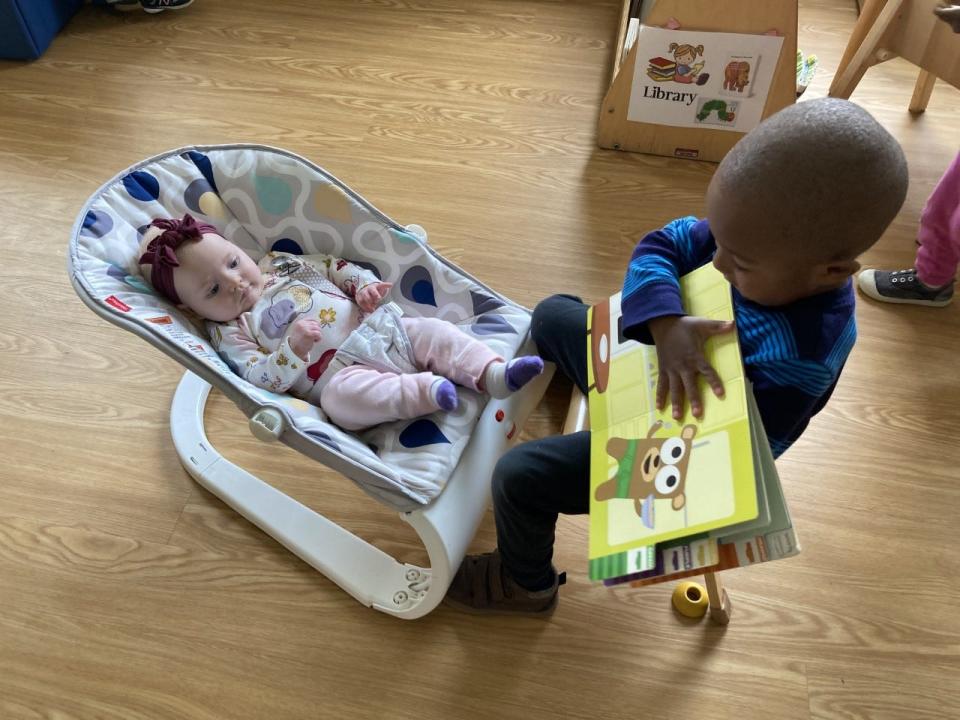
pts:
pixel 652 478
pixel 694 78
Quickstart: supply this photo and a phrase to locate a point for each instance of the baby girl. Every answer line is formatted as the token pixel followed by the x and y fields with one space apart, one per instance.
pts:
pixel 320 328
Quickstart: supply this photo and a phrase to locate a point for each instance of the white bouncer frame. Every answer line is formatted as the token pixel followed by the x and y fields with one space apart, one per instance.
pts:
pixel 445 526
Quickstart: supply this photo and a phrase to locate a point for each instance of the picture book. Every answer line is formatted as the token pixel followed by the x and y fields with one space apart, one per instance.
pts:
pixel 672 496
pixel 770 537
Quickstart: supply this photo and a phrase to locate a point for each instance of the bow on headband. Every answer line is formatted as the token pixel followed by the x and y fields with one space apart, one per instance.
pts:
pixel 161 253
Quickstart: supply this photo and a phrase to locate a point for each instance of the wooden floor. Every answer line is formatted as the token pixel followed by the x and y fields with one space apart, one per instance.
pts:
pixel 128 592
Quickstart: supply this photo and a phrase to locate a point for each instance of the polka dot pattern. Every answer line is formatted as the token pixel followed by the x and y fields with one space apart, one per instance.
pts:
pixel 266 199
pixel 202 199
pixel 142 186
pixel 273 194
pixel 331 202
pixel 288 246
pixel 417 285
pixel 96 224
pixel 421 433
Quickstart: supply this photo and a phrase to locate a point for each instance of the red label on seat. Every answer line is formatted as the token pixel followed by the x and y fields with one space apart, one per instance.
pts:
pixel 116 302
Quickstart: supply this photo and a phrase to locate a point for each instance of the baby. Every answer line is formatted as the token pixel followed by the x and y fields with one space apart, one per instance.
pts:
pixel 320 328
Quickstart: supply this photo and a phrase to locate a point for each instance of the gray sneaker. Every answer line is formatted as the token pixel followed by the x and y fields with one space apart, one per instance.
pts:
pixel 903 286
pixel 156 6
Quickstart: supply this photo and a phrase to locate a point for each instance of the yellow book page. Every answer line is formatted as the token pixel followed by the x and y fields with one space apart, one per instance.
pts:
pixel 652 478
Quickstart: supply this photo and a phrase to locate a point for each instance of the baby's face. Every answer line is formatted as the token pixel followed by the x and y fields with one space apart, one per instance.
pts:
pixel 216 279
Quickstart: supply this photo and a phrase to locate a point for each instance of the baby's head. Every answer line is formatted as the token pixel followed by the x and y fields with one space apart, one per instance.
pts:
pixel 800 197
pixel 193 266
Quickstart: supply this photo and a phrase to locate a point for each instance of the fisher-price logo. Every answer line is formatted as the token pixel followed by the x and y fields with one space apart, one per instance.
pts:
pixel 114 301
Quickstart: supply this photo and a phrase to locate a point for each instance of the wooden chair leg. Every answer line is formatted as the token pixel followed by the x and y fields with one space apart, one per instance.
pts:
pixel 869 12
pixel 846 81
pixel 922 91
pixel 720 607
pixel 578 413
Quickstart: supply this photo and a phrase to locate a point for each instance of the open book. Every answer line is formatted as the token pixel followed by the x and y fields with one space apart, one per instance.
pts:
pixel 673 498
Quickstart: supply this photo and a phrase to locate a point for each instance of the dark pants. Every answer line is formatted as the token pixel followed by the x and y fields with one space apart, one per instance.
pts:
pixel 536 481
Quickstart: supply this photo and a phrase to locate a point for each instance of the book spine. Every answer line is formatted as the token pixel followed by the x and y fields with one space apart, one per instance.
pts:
pixel 674 560
pixel 630 562
pixel 752 551
pixel 727 559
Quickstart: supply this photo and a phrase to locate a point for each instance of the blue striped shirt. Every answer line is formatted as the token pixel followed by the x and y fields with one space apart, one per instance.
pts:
pixel 792 354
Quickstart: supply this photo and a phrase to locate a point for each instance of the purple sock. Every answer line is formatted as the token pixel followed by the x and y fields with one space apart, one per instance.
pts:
pixel 445 394
pixel 522 370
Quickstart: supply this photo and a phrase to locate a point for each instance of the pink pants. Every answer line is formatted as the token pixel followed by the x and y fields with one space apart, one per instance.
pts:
pixel 360 396
pixel 939 235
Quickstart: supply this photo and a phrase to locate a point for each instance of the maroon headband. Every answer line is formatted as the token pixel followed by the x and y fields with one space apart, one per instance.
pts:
pixel 161 252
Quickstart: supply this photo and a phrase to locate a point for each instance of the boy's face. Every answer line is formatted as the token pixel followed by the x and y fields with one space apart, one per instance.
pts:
pixel 751 258
pixel 216 279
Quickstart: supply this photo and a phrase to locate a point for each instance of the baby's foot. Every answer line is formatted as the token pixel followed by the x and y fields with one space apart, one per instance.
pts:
pixel 501 379
pixel 444 395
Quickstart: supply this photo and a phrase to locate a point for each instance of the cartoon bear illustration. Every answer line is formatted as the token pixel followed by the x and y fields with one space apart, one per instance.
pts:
pixel 649 468
pixel 736 76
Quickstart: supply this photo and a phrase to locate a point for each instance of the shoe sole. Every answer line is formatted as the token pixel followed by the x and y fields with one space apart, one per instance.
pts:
pixel 469 609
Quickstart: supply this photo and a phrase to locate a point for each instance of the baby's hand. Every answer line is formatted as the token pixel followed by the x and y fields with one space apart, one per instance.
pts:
pixel 304 334
pixel 679 342
pixel 369 297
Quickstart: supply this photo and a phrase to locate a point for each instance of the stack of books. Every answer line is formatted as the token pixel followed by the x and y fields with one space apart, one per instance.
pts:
pixel 668 498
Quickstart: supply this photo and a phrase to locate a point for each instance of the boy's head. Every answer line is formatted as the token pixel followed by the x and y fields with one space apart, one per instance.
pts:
pixel 800 197
pixel 195 267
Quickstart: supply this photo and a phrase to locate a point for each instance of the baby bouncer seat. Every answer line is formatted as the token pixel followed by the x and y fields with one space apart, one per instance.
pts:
pixel 434 470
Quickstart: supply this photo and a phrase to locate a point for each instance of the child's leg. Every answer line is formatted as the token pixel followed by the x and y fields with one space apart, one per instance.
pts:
pixel 559 328
pixel 446 350
pixel 360 397
pixel 931 282
pixel 442 348
pixel 531 484
pixel 939 235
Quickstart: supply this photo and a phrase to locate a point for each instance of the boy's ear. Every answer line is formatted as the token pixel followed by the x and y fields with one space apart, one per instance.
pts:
pixel 839 270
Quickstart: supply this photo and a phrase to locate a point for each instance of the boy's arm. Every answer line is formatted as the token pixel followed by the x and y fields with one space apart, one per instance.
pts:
pixel 651 288
pixel 653 311
pixel 276 371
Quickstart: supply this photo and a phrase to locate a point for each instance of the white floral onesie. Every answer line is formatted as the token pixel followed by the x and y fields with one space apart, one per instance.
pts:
pixel 314 287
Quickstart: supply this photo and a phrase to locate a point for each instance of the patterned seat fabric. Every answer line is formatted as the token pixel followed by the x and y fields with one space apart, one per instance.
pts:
pixel 266 199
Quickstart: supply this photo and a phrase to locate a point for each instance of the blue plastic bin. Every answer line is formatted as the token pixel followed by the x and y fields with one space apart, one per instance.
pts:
pixel 27 27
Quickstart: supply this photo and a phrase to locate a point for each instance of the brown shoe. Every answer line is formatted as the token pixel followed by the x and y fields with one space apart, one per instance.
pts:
pixel 482 586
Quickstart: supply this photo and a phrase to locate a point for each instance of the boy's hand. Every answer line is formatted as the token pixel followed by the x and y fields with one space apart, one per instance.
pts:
pixel 680 341
pixel 304 334
pixel 949 13
pixel 369 297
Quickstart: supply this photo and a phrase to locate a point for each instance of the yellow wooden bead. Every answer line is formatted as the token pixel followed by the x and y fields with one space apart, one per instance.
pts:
pixel 690 599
